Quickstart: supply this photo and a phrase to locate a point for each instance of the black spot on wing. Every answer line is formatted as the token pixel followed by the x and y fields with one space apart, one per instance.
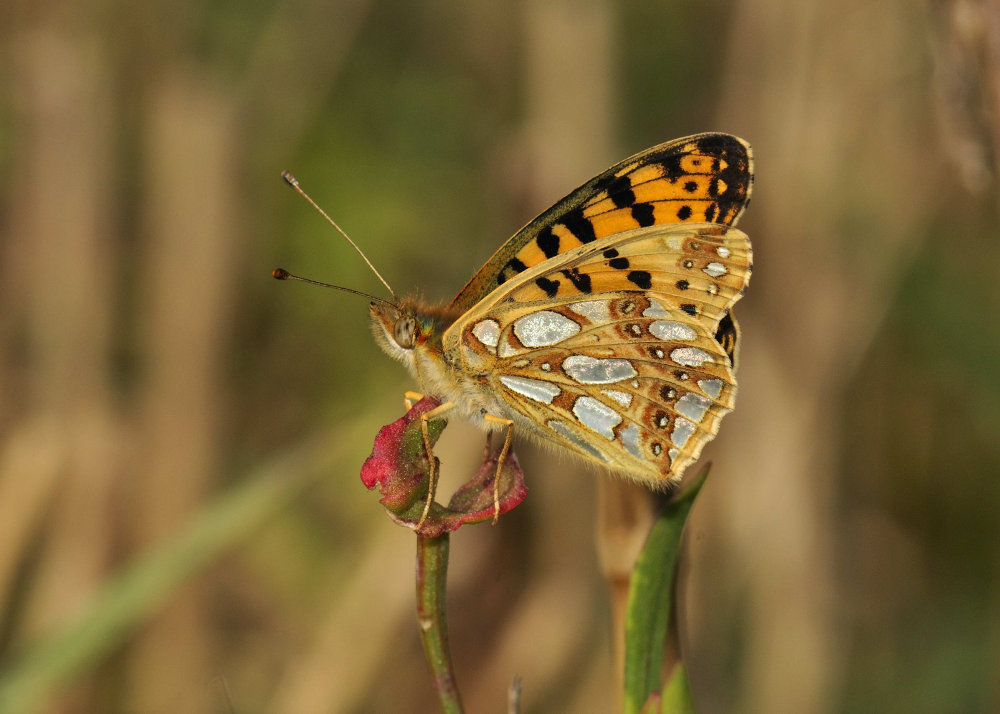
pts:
pixel 725 335
pixel 641 278
pixel 689 309
pixel 643 214
pixel 611 253
pixel 683 284
pixel 619 263
pixel 710 213
pixel 551 287
pixel 684 212
pixel 613 184
pixel 672 166
pixel 513 265
pixel 579 226
pixel 581 281
pixel 623 199
pixel 548 242
pixel 619 189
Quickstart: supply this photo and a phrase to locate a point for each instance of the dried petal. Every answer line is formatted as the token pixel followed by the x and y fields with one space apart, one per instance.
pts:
pixel 398 467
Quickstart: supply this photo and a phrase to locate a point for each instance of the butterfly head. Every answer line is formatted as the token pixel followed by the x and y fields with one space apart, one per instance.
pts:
pixel 397 329
pixel 407 328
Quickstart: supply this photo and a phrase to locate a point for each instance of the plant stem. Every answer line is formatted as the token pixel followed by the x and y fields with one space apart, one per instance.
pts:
pixel 650 604
pixel 432 576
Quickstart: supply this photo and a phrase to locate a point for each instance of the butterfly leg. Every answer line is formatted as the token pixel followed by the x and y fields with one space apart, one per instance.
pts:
pixel 508 437
pixel 488 449
pixel 410 397
pixel 431 461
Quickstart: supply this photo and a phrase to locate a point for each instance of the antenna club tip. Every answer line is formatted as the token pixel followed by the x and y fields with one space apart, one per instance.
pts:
pixel 287 177
pixel 280 274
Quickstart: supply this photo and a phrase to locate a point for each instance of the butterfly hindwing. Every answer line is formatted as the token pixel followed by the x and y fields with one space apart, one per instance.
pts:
pixel 704 178
pixel 626 373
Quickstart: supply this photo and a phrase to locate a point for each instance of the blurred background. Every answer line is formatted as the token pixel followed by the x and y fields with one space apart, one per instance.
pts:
pixel 182 527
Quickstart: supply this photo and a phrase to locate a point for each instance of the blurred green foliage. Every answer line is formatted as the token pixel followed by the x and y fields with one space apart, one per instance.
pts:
pixel 845 556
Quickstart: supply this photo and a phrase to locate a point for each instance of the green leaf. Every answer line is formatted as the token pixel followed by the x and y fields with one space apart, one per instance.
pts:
pixel 677 694
pixel 650 602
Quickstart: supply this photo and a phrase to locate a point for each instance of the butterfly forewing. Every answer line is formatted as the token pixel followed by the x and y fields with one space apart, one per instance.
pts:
pixel 610 348
pixel 702 269
pixel 700 178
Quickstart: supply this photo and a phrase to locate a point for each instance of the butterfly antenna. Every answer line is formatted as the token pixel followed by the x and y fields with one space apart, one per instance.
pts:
pixel 294 183
pixel 282 274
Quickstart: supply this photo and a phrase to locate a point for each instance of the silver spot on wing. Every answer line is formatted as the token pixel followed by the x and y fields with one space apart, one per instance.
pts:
pixel 715 269
pixel 711 387
pixel 693 406
pixel 683 429
pixel 487 332
pixel 597 416
pixel 669 330
pixel 590 370
pixel 630 438
pixel 623 398
pixel 535 389
pixel 543 328
pixel 655 309
pixel 690 356
pixel 593 310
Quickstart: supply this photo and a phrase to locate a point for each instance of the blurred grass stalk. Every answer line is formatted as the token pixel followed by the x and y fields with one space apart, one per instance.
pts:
pixel 56 659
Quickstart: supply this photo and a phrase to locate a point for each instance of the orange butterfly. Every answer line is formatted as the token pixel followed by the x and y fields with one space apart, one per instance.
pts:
pixel 605 325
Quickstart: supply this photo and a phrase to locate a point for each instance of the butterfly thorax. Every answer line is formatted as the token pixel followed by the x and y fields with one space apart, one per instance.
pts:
pixel 412 334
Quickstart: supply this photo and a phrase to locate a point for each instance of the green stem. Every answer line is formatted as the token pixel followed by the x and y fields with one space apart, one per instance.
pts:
pixel 432 576
pixel 650 603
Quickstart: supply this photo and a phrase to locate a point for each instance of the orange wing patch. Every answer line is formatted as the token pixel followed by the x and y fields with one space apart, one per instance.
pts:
pixel 705 178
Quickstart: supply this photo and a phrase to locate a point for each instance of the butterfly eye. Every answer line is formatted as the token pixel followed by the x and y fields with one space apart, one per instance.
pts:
pixel 404 332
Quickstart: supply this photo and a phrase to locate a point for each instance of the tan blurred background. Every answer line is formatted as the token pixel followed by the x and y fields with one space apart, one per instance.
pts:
pixel 159 393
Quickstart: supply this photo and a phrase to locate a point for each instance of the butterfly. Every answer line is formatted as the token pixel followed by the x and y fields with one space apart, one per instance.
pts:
pixel 605 326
